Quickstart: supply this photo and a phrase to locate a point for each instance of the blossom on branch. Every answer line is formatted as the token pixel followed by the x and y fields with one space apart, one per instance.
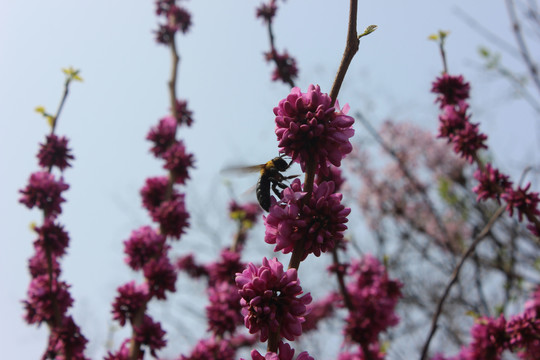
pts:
pixel 310 128
pixel 319 222
pixel 270 299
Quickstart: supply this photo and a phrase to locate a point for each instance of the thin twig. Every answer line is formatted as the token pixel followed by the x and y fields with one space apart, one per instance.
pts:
pixel 455 276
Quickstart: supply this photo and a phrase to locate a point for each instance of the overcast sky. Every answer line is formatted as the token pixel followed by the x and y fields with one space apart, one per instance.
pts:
pixel 227 83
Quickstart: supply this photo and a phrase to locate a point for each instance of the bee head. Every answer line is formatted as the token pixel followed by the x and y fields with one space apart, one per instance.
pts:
pixel 280 163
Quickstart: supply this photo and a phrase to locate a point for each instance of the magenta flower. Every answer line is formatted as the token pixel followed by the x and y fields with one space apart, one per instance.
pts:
pixel 223 312
pixel 44 192
pixel 285 353
pixel 525 202
pixel 52 237
pixel 67 339
pixel 131 298
pixel 286 69
pixel 178 162
pixel 184 116
pixel 150 334
pixel 153 192
pixel 177 18
pixel 161 276
pixel 451 89
pixel 488 338
pixel 144 244
pixel 308 127
pixel 226 268
pixel 491 183
pixel 122 353
pixel 320 222
pixel 374 297
pixel 456 127
pixel 267 11
pixel 38 264
pixel 172 216
pixel 39 304
pixel 212 348
pixel 163 135
pixel 55 152
pixel 334 175
pixel 269 300
pixel 187 264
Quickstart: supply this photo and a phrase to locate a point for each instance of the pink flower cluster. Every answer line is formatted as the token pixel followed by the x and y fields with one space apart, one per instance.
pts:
pixel 309 128
pixel 285 352
pixel 176 18
pixel 373 297
pixel 319 222
pixel 147 249
pixel 48 298
pixel 285 69
pixel 452 94
pixel 491 337
pixel 270 301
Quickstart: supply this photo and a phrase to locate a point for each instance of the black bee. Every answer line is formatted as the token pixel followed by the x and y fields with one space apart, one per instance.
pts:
pixel 270 177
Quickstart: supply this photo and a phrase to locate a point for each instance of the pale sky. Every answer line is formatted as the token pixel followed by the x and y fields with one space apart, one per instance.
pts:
pixel 227 83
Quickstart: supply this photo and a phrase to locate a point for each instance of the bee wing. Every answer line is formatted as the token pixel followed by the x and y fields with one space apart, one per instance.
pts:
pixel 242 169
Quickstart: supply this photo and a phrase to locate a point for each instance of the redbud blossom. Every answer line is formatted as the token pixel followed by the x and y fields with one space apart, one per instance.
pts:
pixel 163 135
pixel 131 298
pixel 373 298
pixel 223 312
pixel 67 339
pixel 285 353
pixel 319 222
pixel 150 334
pixel 491 183
pixel 451 90
pixel 172 216
pixel 178 161
pixel 144 244
pixel 161 276
pixel 310 128
pixel 269 300
pixel 285 69
pixel 213 348
pixel 52 237
pixel 184 116
pixel 39 304
pixel 44 192
pixel 55 152
pixel 525 202
pixel 153 192
pixel 267 11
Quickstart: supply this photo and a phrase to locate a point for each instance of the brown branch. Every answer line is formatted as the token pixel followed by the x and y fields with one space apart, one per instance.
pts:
pixel 523 49
pixel 455 276
pixel 351 48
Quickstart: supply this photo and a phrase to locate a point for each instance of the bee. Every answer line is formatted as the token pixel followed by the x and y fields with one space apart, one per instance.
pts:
pixel 271 177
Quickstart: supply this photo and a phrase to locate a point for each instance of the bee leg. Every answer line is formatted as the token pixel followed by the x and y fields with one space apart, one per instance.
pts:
pixel 275 184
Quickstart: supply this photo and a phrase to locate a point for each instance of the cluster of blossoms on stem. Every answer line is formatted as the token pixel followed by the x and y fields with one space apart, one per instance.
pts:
pixel 224 309
pixel 452 94
pixel 490 337
pixel 286 69
pixel 270 301
pixel 311 129
pixel 373 298
pixel 176 19
pixel 48 298
pixel 147 248
pixel 319 222
pixel 285 353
